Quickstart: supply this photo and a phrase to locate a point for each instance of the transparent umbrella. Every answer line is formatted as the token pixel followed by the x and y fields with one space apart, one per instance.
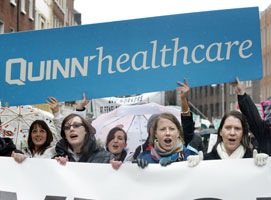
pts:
pixel 133 119
pixel 16 121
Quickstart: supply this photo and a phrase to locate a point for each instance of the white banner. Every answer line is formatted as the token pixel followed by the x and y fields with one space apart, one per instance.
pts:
pixel 105 105
pixel 39 179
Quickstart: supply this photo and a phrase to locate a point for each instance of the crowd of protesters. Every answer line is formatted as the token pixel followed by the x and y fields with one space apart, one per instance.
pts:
pixel 168 140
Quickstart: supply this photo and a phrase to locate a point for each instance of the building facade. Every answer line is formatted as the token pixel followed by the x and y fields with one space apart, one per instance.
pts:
pixel 266 53
pixel 43 14
pixel 17 15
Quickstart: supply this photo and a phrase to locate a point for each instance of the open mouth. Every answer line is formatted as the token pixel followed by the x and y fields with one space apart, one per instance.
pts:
pixel 232 140
pixel 168 140
pixel 72 136
pixel 115 146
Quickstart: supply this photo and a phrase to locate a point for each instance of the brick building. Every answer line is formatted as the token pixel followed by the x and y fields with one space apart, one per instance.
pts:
pixel 266 52
pixel 16 15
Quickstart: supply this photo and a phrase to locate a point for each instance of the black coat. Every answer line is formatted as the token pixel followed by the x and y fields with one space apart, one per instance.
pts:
pixel 95 154
pixel 213 155
pixel 257 125
pixel 7 147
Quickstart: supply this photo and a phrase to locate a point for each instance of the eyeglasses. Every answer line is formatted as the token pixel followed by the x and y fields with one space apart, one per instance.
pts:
pixel 75 126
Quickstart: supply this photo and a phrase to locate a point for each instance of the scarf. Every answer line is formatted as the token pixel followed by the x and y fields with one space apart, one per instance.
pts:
pixel 238 153
pixel 160 155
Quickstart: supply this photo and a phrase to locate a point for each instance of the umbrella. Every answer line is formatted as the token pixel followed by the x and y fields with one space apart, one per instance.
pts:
pixel 16 121
pixel 134 119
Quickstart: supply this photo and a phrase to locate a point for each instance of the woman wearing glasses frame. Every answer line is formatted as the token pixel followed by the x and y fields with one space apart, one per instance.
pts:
pixel 78 143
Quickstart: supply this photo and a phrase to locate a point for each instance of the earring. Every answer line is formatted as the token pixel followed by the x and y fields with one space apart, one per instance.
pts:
pixel 155 140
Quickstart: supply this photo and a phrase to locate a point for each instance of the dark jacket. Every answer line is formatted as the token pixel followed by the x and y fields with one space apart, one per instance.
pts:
pixel 257 125
pixel 191 138
pixel 7 146
pixel 122 156
pixel 213 155
pixel 95 154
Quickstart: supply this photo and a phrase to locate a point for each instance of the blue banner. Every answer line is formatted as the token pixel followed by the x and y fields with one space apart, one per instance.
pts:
pixel 130 57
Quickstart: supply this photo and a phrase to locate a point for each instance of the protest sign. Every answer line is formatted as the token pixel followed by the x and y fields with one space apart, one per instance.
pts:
pixel 105 105
pixel 41 179
pixel 130 57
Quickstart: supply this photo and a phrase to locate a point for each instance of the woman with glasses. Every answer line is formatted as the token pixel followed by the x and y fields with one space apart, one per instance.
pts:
pixel 78 143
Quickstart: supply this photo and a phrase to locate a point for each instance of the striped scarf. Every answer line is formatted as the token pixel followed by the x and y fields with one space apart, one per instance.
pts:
pixel 160 155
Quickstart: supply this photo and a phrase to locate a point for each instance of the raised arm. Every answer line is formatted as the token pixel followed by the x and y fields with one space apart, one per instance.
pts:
pixel 54 106
pixel 186 115
pixel 257 125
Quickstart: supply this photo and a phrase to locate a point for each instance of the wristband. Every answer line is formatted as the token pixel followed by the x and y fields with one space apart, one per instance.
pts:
pixel 185 111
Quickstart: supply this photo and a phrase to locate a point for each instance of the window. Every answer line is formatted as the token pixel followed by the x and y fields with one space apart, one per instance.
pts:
pixel 264 68
pixel 205 109
pixel 2 27
pixel 217 89
pixel 211 90
pixel 268 63
pixel 268 33
pixel 31 9
pixel 42 22
pixel 206 91
pixel 200 92
pixel 217 109
pixel 191 94
pixel 212 109
pixel 23 7
pixel 13 2
pixel 200 108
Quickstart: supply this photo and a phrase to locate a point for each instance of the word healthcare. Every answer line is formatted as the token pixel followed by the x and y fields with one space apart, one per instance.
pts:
pixel 169 57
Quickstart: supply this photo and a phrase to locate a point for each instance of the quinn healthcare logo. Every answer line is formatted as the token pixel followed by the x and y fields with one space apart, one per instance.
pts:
pixel 156 55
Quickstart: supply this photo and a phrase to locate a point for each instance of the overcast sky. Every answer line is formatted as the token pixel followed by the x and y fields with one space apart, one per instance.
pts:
pixel 96 11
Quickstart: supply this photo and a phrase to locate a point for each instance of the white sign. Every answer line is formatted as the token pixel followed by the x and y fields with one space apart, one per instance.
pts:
pixel 39 179
pixel 106 105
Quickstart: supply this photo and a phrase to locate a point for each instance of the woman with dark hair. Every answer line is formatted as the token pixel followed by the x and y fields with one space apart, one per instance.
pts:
pixel 116 143
pixel 78 143
pixel 233 141
pixel 39 142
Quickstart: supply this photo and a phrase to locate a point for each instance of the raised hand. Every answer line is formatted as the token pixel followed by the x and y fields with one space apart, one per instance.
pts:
pixel 81 104
pixel 184 88
pixel 238 87
pixel 54 105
